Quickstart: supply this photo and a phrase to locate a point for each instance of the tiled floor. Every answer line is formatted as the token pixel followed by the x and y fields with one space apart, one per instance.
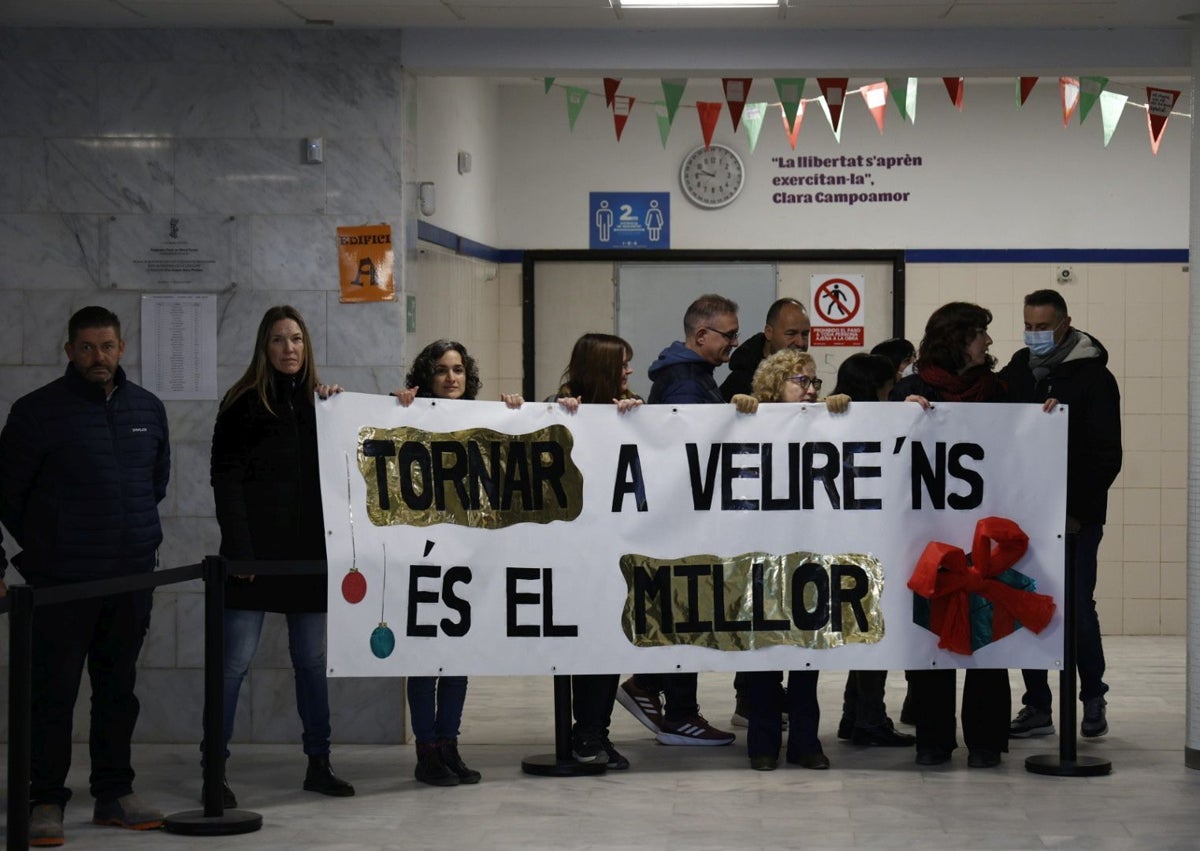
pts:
pixel 707 798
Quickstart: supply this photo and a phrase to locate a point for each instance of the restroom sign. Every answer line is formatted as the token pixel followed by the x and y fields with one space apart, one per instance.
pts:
pixel 837 310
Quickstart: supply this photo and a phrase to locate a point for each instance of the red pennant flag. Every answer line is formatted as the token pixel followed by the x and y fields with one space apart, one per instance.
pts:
pixel 1068 90
pixel 709 112
pixel 954 88
pixel 834 91
pixel 610 90
pixel 1159 103
pixel 737 89
pixel 875 95
pixel 1024 87
pixel 622 106
pixel 793 132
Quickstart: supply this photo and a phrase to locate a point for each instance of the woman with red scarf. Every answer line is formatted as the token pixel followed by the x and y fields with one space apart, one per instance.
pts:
pixel 953 365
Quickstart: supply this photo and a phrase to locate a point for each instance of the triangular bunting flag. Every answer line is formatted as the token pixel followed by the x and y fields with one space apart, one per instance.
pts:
pixel 833 90
pixel 793 129
pixel 837 131
pixel 898 86
pixel 575 98
pixel 673 92
pixel 549 83
pixel 875 95
pixel 1089 92
pixel 709 112
pixel 1112 105
pixel 1024 87
pixel 664 122
pixel 621 108
pixel 1159 103
pixel 753 118
pixel 954 88
pixel 611 84
pixel 790 90
pixel 1068 89
pixel 737 89
pixel 911 100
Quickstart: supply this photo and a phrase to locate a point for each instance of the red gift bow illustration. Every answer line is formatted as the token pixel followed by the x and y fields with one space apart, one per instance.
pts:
pixel 944 576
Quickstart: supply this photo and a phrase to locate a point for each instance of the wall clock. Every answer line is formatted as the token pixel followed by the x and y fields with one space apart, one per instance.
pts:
pixel 712 177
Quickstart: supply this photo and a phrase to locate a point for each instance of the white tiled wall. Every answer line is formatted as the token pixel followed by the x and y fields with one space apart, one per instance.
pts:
pixel 1140 313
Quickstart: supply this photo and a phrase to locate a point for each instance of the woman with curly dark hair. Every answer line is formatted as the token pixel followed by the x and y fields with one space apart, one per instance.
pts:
pixel 953 365
pixel 442 370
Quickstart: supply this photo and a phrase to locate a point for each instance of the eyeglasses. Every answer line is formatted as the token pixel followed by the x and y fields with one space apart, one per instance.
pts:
pixel 804 381
pixel 730 336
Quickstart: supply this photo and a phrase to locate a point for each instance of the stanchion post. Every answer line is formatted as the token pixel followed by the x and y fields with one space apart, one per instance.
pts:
pixel 20 680
pixel 214 687
pixel 561 763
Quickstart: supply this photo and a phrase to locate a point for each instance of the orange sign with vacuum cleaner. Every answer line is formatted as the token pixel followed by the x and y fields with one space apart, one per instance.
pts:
pixel 365 263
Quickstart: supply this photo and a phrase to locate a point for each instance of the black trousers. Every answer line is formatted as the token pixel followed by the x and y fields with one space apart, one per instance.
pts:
pixel 986 706
pixel 108 634
pixel 592 698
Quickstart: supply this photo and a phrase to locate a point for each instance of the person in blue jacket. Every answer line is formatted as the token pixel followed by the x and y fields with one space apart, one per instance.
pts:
pixel 84 462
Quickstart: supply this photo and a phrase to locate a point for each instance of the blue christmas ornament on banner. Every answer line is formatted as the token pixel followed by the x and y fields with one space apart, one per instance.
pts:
pixel 383 641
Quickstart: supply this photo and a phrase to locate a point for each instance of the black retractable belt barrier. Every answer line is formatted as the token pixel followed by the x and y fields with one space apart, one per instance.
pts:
pixel 214 819
pixel 20 662
pixel 561 763
pixel 1066 763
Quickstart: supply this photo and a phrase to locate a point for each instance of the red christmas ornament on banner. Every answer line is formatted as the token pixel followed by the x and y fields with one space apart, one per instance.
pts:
pixel 709 112
pixel 954 88
pixel 354 586
pixel 737 89
pixel 834 91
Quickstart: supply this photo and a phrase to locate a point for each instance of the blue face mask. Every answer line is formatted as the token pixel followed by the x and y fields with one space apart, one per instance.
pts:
pixel 1041 343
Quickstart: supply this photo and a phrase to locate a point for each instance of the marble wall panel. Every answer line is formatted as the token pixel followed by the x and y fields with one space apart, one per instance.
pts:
pixel 23 186
pixel 243 176
pixel 363 379
pixel 293 252
pixel 187 540
pixel 98 175
pixel 158 650
pixel 40 98
pixel 365 334
pixel 342 101
pixel 367 710
pixel 12 340
pixel 363 178
pixel 84 45
pixel 184 99
pixel 16 381
pixel 281 46
pixel 189 628
pixel 193 421
pixel 44 317
pixel 190 475
pixel 172 702
pixel 273 716
pixel 240 312
pixel 45 249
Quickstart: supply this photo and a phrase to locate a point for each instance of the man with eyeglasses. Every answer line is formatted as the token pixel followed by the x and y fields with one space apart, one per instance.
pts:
pixel 787 327
pixel 1068 365
pixel 683 375
pixel 84 462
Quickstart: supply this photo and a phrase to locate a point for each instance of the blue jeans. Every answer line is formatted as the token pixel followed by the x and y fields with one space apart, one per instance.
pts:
pixel 1082 548
pixel 306 643
pixel 436 707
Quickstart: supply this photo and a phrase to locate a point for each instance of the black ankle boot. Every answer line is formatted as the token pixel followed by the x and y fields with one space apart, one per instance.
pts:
pixel 448 748
pixel 320 778
pixel 431 768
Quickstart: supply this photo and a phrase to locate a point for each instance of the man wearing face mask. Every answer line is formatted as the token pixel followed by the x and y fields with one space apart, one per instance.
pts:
pixel 1068 365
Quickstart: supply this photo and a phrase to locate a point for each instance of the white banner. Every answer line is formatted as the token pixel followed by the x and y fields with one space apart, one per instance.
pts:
pixel 467 538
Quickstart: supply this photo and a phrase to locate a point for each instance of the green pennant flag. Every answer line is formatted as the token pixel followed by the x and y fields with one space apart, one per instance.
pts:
pixel 904 93
pixel 673 92
pixel 664 122
pixel 752 118
pixel 1090 89
pixel 790 90
pixel 837 131
pixel 575 98
pixel 549 82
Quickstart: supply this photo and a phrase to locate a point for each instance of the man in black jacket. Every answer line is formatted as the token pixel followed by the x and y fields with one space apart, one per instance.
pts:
pixel 1070 366
pixel 787 327
pixel 84 462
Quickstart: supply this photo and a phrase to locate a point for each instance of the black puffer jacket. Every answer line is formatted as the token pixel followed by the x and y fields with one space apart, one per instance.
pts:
pixel 1083 382
pixel 81 477
pixel 743 363
pixel 266 485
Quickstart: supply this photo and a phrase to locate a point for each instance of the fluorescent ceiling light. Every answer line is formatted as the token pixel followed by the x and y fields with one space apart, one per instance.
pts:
pixel 698 4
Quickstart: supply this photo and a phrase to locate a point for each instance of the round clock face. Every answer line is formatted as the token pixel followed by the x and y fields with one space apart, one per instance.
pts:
pixel 712 177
